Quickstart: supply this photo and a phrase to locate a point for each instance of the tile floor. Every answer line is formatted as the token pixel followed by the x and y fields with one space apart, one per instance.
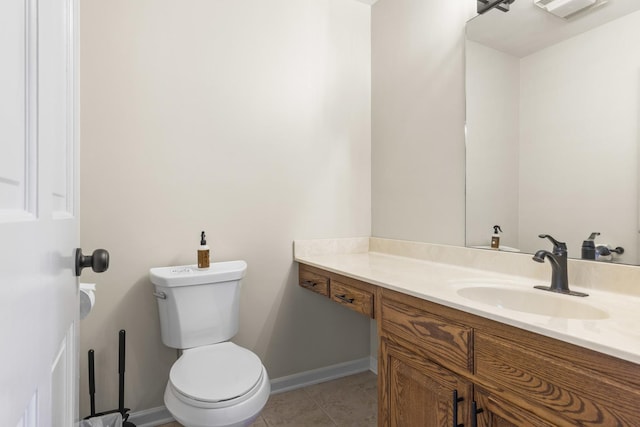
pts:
pixel 349 401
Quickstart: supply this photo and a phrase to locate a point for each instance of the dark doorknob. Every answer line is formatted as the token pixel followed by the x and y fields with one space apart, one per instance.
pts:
pixel 98 261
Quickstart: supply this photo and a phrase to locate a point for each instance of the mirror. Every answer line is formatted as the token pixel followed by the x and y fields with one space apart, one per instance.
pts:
pixel 553 128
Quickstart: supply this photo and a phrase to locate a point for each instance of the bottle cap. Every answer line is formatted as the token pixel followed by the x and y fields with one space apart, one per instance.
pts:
pixel 203 240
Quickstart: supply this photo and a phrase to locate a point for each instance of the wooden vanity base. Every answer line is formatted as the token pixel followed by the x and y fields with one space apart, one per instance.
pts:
pixel 439 366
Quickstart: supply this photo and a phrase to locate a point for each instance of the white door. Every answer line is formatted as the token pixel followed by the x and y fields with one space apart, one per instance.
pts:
pixel 38 213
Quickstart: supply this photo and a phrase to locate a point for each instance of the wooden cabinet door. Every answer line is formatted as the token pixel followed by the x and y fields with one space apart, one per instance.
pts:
pixel 418 392
pixel 495 412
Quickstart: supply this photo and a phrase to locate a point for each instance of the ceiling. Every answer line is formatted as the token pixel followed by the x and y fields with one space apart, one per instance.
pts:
pixel 369 2
pixel 526 28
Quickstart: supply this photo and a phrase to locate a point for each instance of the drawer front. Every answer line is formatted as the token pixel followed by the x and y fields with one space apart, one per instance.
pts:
pixel 501 413
pixel 574 394
pixel 314 282
pixel 447 342
pixel 355 299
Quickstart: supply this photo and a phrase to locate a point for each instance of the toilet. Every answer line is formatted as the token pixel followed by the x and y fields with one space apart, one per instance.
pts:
pixel 214 383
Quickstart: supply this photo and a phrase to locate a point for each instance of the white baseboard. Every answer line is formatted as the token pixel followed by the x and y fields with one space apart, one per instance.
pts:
pixel 320 375
pixel 373 364
pixel 151 417
pixel 157 416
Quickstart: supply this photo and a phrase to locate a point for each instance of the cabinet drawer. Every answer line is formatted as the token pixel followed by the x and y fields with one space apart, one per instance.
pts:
pixel 353 298
pixel 574 394
pixel 313 281
pixel 447 342
pixel 501 413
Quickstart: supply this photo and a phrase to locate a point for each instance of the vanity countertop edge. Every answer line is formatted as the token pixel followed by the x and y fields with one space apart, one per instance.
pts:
pixel 438 282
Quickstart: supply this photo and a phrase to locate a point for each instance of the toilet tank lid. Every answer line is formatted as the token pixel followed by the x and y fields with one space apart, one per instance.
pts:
pixel 186 275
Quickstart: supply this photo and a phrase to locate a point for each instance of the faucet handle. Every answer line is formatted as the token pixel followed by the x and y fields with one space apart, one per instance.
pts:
pixel 559 248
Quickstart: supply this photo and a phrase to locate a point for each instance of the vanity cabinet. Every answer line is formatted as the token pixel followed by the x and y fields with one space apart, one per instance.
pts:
pixel 438 366
pixel 511 376
pixel 352 294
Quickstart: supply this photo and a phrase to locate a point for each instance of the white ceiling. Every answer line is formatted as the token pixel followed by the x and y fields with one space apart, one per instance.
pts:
pixel 526 28
pixel 369 2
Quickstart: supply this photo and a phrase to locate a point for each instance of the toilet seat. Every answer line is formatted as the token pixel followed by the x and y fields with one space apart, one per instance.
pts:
pixel 216 376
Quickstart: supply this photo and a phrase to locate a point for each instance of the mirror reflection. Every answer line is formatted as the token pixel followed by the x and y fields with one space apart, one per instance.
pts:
pixel 553 125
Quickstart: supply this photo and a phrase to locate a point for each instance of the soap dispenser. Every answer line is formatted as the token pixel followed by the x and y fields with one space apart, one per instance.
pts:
pixel 495 239
pixel 203 252
pixel 589 247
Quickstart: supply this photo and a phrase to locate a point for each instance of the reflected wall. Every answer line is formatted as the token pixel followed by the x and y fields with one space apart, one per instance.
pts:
pixel 552 141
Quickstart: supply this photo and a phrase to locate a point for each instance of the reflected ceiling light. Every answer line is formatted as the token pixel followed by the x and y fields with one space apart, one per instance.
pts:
pixel 567 9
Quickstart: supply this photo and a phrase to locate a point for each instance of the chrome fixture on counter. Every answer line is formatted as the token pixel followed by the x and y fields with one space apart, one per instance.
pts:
pixel 600 252
pixel 558 261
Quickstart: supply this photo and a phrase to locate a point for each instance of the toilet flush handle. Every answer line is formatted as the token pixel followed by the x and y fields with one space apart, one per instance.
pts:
pixel 160 295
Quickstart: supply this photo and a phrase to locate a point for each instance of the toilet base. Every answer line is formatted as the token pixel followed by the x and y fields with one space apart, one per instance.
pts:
pixel 239 415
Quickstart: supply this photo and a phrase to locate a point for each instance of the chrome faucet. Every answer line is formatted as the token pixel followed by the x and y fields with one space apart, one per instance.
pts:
pixel 558 261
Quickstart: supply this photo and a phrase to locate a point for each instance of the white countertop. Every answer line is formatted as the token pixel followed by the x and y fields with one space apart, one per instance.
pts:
pixel 617 335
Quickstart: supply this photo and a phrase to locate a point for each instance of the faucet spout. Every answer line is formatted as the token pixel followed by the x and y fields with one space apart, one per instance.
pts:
pixel 541 255
pixel 559 274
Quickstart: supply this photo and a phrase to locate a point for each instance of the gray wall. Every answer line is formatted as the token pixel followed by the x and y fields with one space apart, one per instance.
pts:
pixel 418 119
pixel 260 122
pixel 249 119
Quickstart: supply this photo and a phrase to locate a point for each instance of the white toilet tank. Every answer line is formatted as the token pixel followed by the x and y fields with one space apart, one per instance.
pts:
pixel 198 307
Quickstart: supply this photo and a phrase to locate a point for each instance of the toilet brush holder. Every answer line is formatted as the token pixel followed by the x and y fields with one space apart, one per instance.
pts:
pixel 121 369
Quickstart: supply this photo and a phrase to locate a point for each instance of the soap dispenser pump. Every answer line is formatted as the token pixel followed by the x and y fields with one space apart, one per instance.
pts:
pixel 589 247
pixel 495 239
pixel 203 252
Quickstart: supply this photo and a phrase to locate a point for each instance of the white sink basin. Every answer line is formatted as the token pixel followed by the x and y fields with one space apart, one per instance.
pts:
pixel 533 301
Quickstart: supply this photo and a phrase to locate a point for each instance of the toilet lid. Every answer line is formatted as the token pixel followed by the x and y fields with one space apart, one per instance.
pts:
pixel 216 372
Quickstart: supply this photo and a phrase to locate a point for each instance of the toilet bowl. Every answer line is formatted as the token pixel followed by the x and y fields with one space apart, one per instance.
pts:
pixel 217 385
pixel 214 383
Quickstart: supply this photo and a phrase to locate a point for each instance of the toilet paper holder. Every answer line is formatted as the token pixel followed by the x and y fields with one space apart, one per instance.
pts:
pixel 87 298
pixel 98 261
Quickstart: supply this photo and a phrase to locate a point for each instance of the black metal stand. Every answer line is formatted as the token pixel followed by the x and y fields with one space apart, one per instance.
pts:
pixel 124 411
pixel 92 384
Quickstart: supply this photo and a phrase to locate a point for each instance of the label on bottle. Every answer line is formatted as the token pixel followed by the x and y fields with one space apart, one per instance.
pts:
pixel 203 258
pixel 495 242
